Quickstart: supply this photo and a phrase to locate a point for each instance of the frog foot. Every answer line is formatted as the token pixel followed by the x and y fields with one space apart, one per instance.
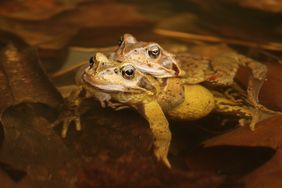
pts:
pixel 251 120
pixel 66 122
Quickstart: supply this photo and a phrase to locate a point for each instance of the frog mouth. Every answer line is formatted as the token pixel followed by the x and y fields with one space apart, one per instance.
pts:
pixel 105 86
pixel 158 73
pixel 101 84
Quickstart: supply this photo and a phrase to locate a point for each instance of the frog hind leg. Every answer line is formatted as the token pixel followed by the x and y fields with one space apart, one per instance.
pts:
pixel 248 113
pixel 160 128
pixel 256 80
pixel 224 105
pixel 225 67
pixel 254 87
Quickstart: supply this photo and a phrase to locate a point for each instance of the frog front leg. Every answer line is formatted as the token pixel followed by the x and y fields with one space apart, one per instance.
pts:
pixel 70 112
pixel 160 129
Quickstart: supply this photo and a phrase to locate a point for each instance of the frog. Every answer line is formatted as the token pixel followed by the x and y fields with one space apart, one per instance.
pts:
pixel 220 70
pixel 122 85
pixel 149 57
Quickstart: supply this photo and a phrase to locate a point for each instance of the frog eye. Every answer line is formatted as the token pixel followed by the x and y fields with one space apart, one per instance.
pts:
pixel 154 52
pixel 91 62
pixel 128 72
pixel 120 41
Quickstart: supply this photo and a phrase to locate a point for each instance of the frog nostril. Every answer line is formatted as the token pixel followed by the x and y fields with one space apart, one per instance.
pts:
pixel 91 62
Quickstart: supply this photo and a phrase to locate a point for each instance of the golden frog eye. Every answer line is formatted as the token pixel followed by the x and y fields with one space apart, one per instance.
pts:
pixel 154 52
pixel 128 71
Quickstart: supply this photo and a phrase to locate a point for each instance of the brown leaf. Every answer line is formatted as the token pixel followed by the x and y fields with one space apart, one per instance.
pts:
pixel 23 80
pixel 7 182
pixel 56 32
pixel 267 134
pixel 268 175
pixel 31 146
pixel 35 10
pixel 45 34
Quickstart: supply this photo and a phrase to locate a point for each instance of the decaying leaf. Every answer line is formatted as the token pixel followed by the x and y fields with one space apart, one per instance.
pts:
pixel 35 10
pixel 268 175
pixel 267 134
pixel 23 80
pixel 40 34
pixel 30 145
pixel 7 182
pixel 57 31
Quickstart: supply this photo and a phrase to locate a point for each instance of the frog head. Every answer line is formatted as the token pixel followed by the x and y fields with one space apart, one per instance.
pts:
pixel 112 76
pixel 148 57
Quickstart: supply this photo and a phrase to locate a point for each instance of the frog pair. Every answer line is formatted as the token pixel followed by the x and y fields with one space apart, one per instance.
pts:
pixel 158 84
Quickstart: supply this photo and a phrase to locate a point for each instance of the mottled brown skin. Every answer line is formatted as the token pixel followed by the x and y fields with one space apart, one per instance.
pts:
pixel 148 57
pixel 219 70
pixel 121 84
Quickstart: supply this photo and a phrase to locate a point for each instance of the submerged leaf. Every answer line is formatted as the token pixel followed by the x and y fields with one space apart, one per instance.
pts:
pixel 23 80
pixel 56 32
pixel 30 145
pixel 268 175
pixel 35 10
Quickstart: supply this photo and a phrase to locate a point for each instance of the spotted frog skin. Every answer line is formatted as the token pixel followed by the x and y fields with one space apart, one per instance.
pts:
pixel 151 58
pixel 148 57
pixel 121 84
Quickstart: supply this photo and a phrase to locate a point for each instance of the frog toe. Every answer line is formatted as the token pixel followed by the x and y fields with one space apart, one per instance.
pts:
pixel 166 162
pixel 66 122
pixel 161 155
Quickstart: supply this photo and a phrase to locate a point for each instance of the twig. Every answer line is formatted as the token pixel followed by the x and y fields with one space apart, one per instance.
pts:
pixel 274 46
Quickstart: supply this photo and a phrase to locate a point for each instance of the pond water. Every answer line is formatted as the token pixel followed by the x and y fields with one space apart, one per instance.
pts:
pixel 115 148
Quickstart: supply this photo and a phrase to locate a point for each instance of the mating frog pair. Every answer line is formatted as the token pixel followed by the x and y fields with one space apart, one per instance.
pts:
pixel 151 58
pixel 145 77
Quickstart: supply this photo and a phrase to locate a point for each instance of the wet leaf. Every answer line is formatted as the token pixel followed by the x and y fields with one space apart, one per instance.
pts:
pixel 268 175
pixel 7 182
pixel 39 34
pixel 32 146
pixel 35 10
pixel 267 134
pixel 23 80
pixel 29 143
pixel 56 32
